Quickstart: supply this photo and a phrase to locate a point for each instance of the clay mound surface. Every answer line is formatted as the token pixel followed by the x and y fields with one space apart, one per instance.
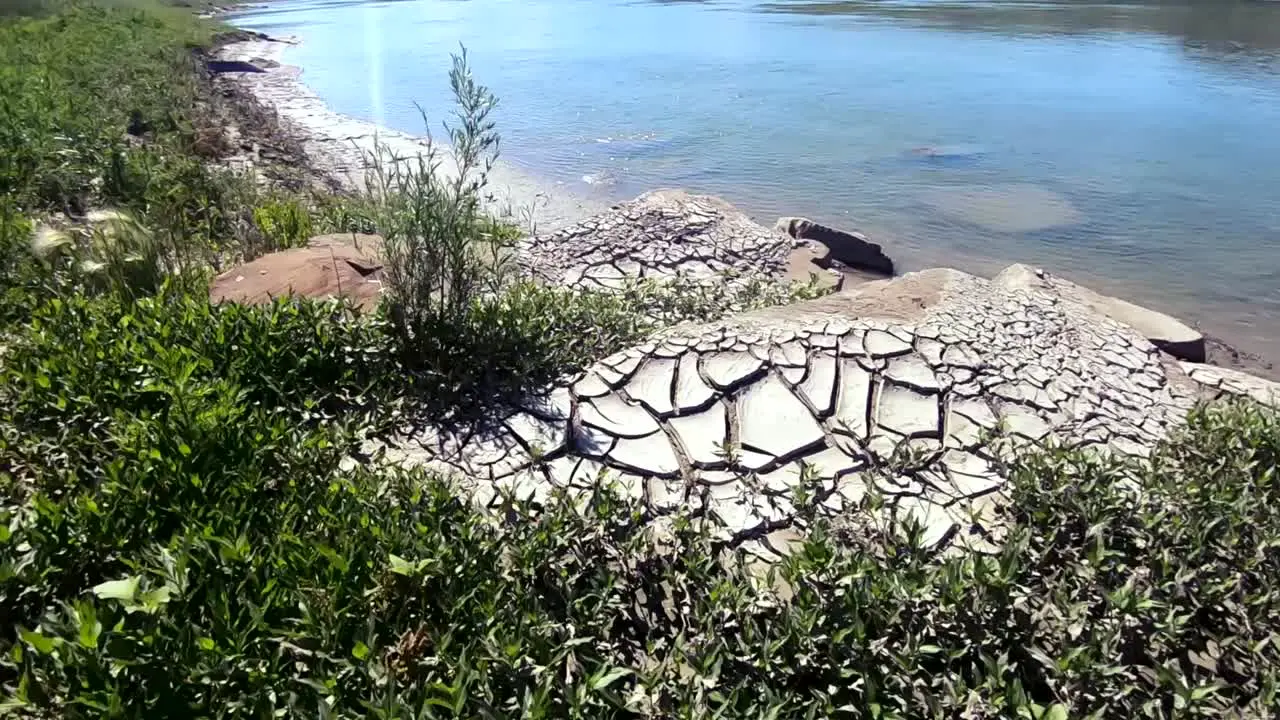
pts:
pixel 328 267
pixel 661 234
pixel 920 388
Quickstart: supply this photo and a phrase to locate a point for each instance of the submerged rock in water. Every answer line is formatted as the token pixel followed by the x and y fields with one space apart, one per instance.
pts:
pixel 1005 208
pixel 849 248
pixel 947 153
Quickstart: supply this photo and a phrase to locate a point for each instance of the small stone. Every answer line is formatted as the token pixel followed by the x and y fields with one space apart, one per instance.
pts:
pixel 790 354
pixel 784 541
pixel 615 416
pixel 975 410
pixel 938 525
pixel 830 462
pixel 851 489
pixel 727 369
pixel 782 481
pixel 609 375
pixel 627 363
pixel 853 401
pixel 555 405
pixel 961 356
pixel 969 474
pixel 663 494
pixel 820 383
pixel 792 375
pixel 1019 421
pixel 591 385
pixel 931 351
pixel 908 412
pixel 703 435
pixel 691 392
pixel 591 442
pixel 772 420
pixel 912 371
pixel 823 341
pixel 962 433
pixel 528 486
pixel 752 460
pixel 851 343
pixel 879 343
pixel 568 470
pixel 733 515
pixel 652 384
pixel 649 455
pixel 718 478
pixel 837 327
pixel 542 437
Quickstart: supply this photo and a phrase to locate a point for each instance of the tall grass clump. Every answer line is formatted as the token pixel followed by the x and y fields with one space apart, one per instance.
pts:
pixel 465 327
pixel 439 258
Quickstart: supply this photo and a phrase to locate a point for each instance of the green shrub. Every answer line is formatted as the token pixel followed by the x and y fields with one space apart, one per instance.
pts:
pixel 285 222
pixel 177 538
pixel 221 565
pixel 183 531
pixel 80 360
pixel 132 67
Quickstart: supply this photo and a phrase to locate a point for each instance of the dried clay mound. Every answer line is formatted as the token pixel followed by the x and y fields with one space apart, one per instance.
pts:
pixel 891 384
pixel 663 234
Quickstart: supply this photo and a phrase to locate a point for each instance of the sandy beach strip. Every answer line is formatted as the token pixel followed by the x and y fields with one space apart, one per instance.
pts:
pixel 338 145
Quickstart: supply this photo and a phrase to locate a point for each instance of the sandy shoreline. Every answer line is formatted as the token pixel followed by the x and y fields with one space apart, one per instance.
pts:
pixel 337 144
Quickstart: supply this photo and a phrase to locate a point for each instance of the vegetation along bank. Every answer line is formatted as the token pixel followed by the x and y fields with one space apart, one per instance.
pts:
pixel 200 516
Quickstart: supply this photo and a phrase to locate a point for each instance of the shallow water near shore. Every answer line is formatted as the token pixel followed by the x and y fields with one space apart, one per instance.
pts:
pixel 1129 146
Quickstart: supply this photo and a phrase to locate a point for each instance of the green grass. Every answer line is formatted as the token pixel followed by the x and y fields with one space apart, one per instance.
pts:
pixel 71 86
pixel 183 532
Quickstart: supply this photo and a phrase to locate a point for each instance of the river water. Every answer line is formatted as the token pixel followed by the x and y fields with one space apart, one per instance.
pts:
pixel 1133 146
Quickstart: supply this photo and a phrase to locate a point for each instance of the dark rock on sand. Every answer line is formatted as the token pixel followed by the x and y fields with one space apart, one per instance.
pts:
pixel 232 66
pixel 847 248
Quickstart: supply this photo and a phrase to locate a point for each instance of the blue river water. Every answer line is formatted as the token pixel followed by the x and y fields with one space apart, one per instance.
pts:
pixel 1133 146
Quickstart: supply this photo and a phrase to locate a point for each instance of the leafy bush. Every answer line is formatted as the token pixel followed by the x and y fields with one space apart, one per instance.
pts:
pixel 81 360
pixel 181 545
pixel 284 222
pixel 184 532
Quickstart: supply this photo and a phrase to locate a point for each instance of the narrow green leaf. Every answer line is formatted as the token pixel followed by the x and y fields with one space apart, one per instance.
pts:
pixel 42 643
pixel 125 589
pixel 400 566
pixel 1056 711
pixel 609 678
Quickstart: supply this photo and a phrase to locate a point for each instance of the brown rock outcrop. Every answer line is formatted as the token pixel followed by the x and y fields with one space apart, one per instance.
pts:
pixel 329 266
